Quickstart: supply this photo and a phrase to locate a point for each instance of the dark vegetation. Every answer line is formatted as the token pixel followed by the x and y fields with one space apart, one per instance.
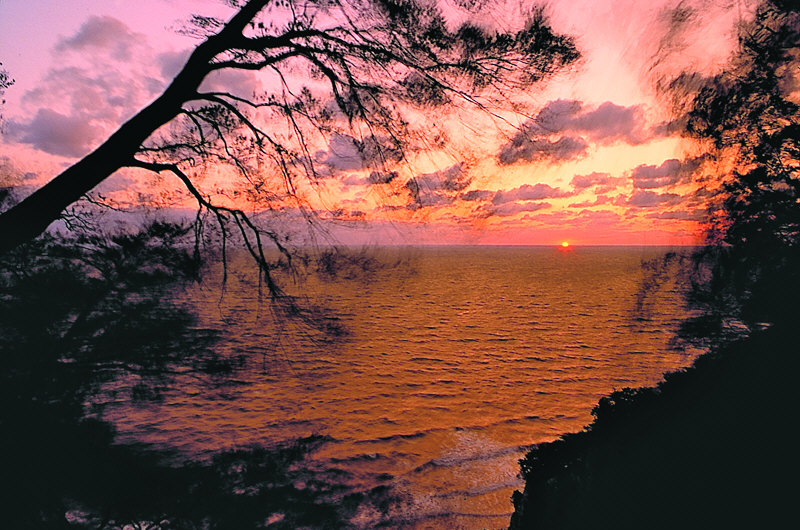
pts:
pixel 82 311
pixel 88 316
pixel 5 82
pixel 712 446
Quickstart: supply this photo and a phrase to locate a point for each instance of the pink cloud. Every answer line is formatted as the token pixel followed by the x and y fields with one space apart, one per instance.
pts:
pixel 592 179
pixel 439 187
pixel 477 195
pixel 576 127
pixel 104 33
pixel 59 134
pixel 599 201
pixel 680 215
pixel 648 199
pixel 513 208
pixel 533 149
pixel 526 192
pixel 347 153
pixel 670 172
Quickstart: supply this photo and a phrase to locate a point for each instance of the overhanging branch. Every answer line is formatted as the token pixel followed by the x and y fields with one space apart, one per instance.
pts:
pixel 250 233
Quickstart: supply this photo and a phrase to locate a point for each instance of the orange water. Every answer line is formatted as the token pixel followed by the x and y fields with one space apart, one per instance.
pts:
pixel 453 362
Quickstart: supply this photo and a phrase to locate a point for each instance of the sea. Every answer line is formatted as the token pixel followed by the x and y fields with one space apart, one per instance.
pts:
pixel 425 373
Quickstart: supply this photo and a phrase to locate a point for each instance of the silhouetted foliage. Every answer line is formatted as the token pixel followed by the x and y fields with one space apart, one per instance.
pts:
pixel 94 302
pixel 751 115
pixel 5 81
pixel 80 311
pixel 707 448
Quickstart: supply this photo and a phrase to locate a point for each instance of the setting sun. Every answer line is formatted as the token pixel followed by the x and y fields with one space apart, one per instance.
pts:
pixel 565 244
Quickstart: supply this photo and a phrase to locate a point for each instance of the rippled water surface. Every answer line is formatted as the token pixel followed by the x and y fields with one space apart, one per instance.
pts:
pixel 446 365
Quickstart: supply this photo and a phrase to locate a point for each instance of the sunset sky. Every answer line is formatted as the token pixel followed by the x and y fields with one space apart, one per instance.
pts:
pixel 597 159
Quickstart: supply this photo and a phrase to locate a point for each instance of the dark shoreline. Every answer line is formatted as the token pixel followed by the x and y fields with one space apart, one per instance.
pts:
pixel 707 448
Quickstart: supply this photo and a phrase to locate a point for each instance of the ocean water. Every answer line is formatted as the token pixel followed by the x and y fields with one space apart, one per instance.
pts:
pixel 438 369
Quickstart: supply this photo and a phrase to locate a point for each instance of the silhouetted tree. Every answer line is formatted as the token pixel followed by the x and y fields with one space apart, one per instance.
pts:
pixel 5 82
pixel 365 63
pixel 750 113
pixel 88 317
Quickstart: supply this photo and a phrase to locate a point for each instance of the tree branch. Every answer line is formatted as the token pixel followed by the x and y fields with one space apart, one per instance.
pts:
pixel 247 228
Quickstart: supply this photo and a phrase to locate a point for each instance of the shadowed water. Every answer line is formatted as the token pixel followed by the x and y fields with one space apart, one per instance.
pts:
pixel 434 377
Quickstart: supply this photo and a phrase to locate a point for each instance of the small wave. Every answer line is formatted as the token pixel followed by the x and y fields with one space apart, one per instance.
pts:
pixel 391 437
pixel 509 421
pixel 414 516
pixel 458 459
pixel 477 492
pixel 363 457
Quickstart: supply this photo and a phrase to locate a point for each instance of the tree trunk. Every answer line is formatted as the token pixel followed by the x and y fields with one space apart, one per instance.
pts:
pixel 35 213
pixel 32 216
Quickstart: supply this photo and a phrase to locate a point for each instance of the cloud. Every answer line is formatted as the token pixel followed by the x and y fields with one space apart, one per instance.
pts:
pixel 555 116
pixel 574 127
pixel 101 33
pixel 171 62
pixel 601 182
pixel 243 83
pixel 670 172
pixel 75 107
pixel 701 198
pixel 58 134
pixel 342 154
pixel 610 122
pixel 513 208
pixel 120 181
pixel 647 199
pixel 541 149
pixel 667 128
pixel 14 183
pixel 98 83
pixel 681 215
pixel 346 153
pixel 476 195
pixel 341 214
pixel 599 201
pixel 592 179
pixel 526 192
pixel 598 217
pixel 439 187
pixel 373 179
pixel 382 177
pixel 453 178
pixel 100 92
pixel 353 180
